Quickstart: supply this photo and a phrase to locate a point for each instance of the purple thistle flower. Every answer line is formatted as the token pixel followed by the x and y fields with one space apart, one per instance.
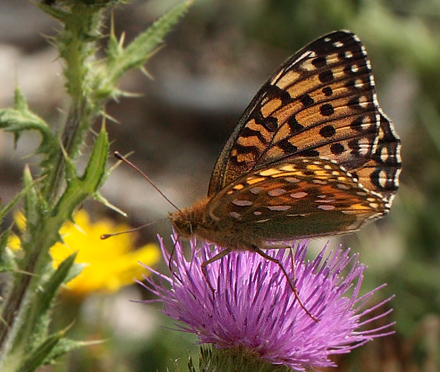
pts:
pixel 253 305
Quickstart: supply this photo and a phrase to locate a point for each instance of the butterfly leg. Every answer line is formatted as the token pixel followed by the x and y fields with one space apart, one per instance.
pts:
pixel 218 256
pixel 170 260
pixel 292 286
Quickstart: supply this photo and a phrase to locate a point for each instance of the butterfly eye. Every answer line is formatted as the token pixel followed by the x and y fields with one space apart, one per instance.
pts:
pixel 183 226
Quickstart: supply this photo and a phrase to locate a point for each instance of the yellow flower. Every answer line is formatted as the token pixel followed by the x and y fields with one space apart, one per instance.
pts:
pixel 110 264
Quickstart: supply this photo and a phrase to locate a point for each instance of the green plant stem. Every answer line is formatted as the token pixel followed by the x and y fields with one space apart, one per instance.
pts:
pixel 68 139
pixel 75 43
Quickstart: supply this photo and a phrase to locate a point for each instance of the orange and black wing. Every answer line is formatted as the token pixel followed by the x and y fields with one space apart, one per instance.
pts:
pixel 320 104
pixel 296 199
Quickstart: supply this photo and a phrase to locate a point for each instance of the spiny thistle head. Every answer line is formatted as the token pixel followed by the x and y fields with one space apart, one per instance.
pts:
pixel 253 306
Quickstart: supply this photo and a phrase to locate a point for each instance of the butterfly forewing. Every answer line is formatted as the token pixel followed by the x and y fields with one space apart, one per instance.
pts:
pixel 381 172
pixel 321 103
pixel 299 198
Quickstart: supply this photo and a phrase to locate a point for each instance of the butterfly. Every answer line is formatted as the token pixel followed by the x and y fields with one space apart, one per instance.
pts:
pixel 312 155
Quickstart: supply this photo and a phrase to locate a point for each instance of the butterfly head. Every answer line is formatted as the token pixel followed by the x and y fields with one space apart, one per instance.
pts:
pixel 189 221
pixel 183 226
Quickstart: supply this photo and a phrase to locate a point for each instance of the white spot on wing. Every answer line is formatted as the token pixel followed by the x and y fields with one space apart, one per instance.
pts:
pixel 279 207
pixel 320 182
pixel 341 186
pixel 256 190
pixel 326 207
pixel 358 83
pixel 325 201
pixel 242 203
pixel 276 192
pixel 291 179
pixel 298 195
pixel 262 221
pixel 309 54
pixel 368 64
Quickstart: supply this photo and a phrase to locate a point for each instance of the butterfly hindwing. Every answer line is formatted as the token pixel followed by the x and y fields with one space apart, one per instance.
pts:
pixel 300 198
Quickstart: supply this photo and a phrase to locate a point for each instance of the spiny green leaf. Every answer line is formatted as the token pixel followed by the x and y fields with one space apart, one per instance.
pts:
pixel 31 203
pixel 50 288
pixel 66 345
pixel 58 14
pixel 39 355
pixel 75 270
pixel 98 197
pixel 20 103
pixel 79 188
pixel 27 188
pixel 70 167
pixel 19 119
pixel 141 48
pixel 120 60
pixel 3 241
pixel 7 259
pixel 94 174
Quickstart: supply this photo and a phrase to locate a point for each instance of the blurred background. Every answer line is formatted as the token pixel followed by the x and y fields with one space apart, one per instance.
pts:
pixel 209 69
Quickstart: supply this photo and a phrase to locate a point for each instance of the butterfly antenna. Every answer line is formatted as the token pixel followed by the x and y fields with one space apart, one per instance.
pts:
pixel 106 236
pixel 122 158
